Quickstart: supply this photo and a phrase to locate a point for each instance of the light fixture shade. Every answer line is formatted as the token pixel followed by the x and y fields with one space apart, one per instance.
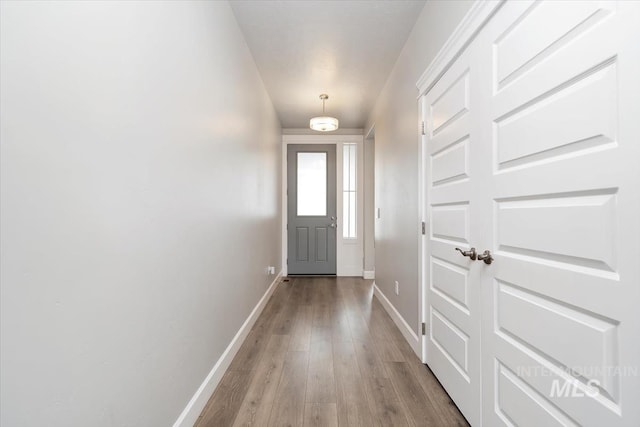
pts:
pixel 324 124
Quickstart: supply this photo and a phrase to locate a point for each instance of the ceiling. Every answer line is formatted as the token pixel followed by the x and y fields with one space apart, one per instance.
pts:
pixel 343 48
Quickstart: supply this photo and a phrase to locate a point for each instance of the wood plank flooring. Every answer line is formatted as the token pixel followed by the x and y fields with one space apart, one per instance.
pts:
pixel 325 353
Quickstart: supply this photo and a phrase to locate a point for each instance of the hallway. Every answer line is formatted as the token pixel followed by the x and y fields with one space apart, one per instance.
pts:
pixel 196 197
pixel 324 352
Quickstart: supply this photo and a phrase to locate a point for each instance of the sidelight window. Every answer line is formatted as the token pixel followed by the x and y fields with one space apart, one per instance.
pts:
pixel 349 186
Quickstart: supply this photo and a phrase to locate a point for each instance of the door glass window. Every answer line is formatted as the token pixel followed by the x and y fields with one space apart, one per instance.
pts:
pixel 312 184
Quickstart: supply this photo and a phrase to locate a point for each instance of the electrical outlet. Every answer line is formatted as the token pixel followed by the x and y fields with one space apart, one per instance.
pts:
pixel 271 270
pixel 397 287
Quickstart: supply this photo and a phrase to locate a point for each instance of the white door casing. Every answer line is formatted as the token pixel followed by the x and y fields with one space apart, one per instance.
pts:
pixel 547 179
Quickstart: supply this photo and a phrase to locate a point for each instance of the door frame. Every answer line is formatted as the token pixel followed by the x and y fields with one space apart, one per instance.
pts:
pixel 477 16
pixel 369 204
pixel 349 252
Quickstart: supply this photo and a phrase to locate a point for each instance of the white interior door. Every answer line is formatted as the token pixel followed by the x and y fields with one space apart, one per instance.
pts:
pixel 533 153
pixel 453 310
pixel 561 331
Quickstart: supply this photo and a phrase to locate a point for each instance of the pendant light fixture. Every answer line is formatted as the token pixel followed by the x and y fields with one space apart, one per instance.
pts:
pixel 323 123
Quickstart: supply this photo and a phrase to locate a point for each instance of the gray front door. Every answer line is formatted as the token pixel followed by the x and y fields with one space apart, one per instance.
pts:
pixel 311 187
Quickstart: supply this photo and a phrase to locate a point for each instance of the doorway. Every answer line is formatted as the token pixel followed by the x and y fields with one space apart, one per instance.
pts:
pixel 347 182
pixel 530 284
pixel 312 213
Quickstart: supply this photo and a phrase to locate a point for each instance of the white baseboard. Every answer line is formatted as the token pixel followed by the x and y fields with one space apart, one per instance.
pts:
pixel 349 271
pixel 194 408
pixel 407 331
pixel 368 275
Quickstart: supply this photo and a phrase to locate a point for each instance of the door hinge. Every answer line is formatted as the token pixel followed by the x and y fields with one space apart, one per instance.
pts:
pixel 423 131
pixel 424 228
pixel 424 328
pixel 287 261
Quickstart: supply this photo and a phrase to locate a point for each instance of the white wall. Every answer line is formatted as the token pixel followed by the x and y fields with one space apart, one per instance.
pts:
pixel 140 168
pixel 396 156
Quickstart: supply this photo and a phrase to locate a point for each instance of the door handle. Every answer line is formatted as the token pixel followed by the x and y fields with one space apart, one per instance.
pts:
pixel 333 225
pixel 486 257
pixel 471 254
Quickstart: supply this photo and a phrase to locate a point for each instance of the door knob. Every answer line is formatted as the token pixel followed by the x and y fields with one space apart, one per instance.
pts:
pixel 486 257
pixel 471 254
pixel 332 225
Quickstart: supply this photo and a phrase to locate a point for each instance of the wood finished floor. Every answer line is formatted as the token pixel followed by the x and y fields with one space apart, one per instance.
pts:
pixel 325 353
